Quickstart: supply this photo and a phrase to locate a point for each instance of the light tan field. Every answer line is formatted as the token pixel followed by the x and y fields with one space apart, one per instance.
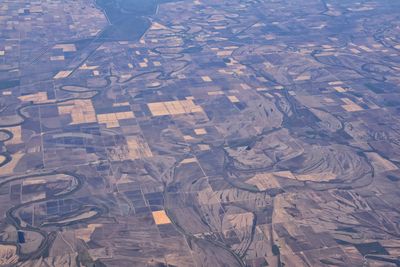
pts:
pixel 188 160
pixel 86 233
pixel 316 177
pixel 87 67
pixel 65 47
pixel 8 255
pixel 138 149
pixel 112 119
pixel 224 53
pixel 174 107
pixel 37 98
pixel 215 93
pixel 303 78
pixel 204 147
pixel 206 78
pixel 379 163
pixel 339 89
pixel 160 217
pixel 62 74
pixel 200 131
pixel 350 105
pixel 81 111
pixel 17 137
pixel 33 182
pixel 233 99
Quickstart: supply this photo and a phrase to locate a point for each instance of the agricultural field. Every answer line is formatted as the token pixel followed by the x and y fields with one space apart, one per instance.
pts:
pixel 200 133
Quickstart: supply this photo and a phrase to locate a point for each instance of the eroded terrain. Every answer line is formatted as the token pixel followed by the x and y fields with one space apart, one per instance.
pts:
pixel 199 133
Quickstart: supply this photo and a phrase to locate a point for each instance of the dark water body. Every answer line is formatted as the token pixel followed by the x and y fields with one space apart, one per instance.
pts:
pixel 8 84
pixel 21 237
pixel 129 19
